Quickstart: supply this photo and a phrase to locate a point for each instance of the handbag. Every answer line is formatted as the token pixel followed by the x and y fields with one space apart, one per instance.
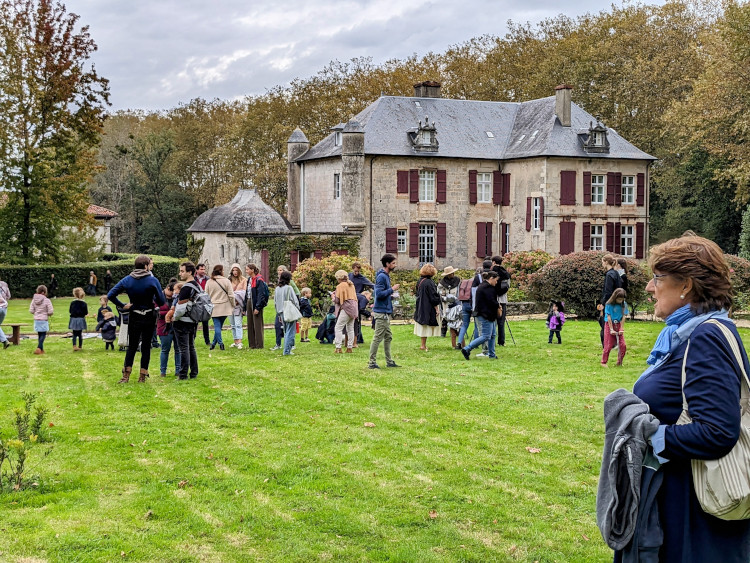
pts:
pixel 290 312
pixel 723 485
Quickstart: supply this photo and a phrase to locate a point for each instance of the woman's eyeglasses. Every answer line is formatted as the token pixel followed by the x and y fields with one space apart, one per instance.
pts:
pixel 657 277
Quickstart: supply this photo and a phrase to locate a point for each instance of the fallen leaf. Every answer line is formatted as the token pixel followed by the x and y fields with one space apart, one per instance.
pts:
pixel 532 450
pixel 370 424
pixel 132 445
pixel 144 442
pixel 210 456
pixel 51 425
pixel 148 515
pixel 433 514
pixel 585 537
pixel 588 406
pixel 512 549
pixel 182 484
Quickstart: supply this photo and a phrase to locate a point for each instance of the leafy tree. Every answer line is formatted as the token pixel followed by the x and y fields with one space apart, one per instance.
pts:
pixel 51 113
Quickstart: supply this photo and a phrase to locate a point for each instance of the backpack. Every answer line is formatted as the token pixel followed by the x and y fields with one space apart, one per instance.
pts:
pixel 200 307
pixel 503 287
pixel 464 290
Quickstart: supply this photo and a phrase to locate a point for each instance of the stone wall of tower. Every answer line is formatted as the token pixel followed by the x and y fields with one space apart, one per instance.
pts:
pixel 353 178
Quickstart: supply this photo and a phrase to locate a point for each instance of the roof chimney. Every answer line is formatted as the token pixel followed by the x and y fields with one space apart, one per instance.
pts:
pixel 563 94
pixel 427 89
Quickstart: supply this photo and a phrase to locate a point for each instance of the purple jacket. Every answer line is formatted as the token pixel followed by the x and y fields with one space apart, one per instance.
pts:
pixel 555 321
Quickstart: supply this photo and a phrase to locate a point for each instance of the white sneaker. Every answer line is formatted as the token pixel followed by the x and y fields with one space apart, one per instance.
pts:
pixel 294 347
pixel 239 346
pixel 481 355
pixel 276 348
pixel 232 345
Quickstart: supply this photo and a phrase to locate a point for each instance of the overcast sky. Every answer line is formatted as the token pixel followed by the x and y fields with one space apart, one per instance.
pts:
pixel 158 53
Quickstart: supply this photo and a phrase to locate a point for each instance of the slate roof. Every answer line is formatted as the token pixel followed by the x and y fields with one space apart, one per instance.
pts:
pixel 246 213
pixel 520 130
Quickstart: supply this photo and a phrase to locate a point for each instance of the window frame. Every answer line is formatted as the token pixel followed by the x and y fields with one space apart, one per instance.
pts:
pixel 402 241
pixel 596 236
pixel 337 138
pixel 423 186
pixel 598 184
pixel 336 185
pixel 627 237
pixel 484 182
pixel 536 214
pixel 629 189
pixel 427 241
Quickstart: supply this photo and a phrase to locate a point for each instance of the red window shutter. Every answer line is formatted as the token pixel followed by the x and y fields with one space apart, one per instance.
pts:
pixel 342 252
pixel 506 189
pixel 414 240
pixel 414 186
pixel 541 213
pixel 504 238
pixel 567 237
pixel 440 244
pixel 587 236
pixel 528 213
pixel 473 187
pixel 294 260
pixel 641 197
pixel 497 187
pixel 618 188
pixel 481 239
pixel 587 188
pixel 568 187
pixel 488 240
pixel 391 240
pixel 618 238
pixel 640 236
pixel 610 237
pixel 318 254
pixel 402 182
pixel 442 186
pixel 610 188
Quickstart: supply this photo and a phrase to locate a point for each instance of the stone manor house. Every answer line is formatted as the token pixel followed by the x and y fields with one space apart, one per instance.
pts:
pixel 452 181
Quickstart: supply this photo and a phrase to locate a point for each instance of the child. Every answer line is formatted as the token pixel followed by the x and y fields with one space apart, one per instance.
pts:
pixel 614 325
pixel 165 332
pixel 79 310
pixel 326 330
pixel 104 306
pixel 108 326
pixel 42 309
pixel 555 320
pixel 306 309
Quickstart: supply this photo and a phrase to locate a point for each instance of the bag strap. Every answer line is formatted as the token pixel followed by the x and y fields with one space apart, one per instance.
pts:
pixel 734 345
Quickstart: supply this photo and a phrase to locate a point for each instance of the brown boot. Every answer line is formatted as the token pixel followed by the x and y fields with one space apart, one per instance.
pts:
pixel 125 375
pixel 143 376
pixel 38 351
pixel 349 351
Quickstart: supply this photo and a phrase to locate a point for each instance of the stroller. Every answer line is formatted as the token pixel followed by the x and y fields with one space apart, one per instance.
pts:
pixel 327 329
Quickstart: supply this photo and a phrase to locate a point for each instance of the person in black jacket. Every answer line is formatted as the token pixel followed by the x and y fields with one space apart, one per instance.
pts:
pixel 486 308
pixel 623 271
pixel 256 299
pixel 479 277
pixel 503 284
pixel 426 307
pixel 611 282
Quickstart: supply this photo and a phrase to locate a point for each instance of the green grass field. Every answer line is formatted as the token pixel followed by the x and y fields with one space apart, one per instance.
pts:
pixel 268 458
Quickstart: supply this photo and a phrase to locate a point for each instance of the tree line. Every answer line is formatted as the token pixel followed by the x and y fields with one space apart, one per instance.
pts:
pixel 671 79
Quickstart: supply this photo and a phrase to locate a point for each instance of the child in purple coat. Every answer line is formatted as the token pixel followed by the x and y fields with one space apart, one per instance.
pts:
pixel 555 320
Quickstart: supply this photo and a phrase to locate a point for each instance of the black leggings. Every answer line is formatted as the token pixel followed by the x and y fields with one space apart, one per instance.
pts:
pixel 41 336
pixel 79 335
pixel 140 329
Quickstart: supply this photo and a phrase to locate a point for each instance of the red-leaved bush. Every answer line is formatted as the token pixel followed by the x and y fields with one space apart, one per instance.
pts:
pixel 577 279
pixel 522 264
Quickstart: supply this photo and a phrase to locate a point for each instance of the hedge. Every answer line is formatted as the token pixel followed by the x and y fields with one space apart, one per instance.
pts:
pixel 23 280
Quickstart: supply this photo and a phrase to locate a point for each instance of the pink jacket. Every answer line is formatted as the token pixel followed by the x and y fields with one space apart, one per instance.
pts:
pixel 41 307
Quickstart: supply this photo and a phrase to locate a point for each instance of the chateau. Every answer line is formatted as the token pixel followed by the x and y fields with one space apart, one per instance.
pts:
pixel 452 181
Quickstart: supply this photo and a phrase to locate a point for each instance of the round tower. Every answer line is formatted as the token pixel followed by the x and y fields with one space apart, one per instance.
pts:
pixel 353 181
pixel 296 146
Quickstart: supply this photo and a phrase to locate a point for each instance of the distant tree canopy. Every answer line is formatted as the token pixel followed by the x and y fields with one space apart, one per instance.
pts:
pixel 672 79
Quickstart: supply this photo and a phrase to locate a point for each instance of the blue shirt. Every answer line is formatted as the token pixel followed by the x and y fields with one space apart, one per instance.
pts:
pixel 383 292
pixel 616 311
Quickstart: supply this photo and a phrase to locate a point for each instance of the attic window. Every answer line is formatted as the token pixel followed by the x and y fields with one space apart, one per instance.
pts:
pixel 490 134
pixel 596 141
pixel 337 139
pixel 416 103
pixel 424 137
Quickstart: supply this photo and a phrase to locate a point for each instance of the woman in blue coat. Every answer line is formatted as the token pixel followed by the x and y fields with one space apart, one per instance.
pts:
pixel 691 285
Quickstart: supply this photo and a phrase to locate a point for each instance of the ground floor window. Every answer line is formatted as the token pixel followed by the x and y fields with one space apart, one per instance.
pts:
pixel 401 240
pixel 626 240
pixel 426 244
pixel 597 237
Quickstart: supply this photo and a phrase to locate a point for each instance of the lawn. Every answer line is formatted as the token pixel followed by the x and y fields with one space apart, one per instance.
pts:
pixel 269 458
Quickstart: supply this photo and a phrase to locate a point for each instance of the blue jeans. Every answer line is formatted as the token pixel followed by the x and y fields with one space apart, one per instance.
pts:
pixel 289 333
pixel 486 334
pixel 218 323
pixel 166 346
pixel 466 316
pixel 3 311
pixel 235 321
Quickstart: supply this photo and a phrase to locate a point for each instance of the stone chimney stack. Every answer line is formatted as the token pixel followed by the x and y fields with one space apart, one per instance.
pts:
pixel 563 95
pixel 353 181
pixel 296 146
pixel 427 89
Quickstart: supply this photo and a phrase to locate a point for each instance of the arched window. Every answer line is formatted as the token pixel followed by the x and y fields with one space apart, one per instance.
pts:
pixel 237 253
pixel 222 250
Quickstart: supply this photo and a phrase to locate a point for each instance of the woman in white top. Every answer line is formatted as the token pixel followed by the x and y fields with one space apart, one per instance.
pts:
pixel 222 296
pixel 239 286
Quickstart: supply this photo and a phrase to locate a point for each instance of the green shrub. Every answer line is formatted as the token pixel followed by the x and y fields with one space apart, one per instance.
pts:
pixel 739 273
pixel 522 264
pixel 23 280
pixel 318 275
pixel 577 280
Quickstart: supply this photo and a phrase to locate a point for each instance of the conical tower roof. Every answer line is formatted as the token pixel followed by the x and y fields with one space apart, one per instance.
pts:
pixel 246 213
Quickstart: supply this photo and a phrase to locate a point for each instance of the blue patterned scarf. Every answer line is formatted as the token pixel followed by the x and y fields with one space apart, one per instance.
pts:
pixel 663 345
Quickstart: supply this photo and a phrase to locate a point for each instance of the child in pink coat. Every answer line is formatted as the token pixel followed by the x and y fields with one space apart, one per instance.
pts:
pixel 41 308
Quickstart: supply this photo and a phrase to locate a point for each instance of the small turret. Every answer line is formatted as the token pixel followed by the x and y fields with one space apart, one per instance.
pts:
pixel 296 146
pixel 353 181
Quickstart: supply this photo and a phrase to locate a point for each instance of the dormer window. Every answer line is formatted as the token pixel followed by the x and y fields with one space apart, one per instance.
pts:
pixel 596 141
pixel 337 139
pixel 424 137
